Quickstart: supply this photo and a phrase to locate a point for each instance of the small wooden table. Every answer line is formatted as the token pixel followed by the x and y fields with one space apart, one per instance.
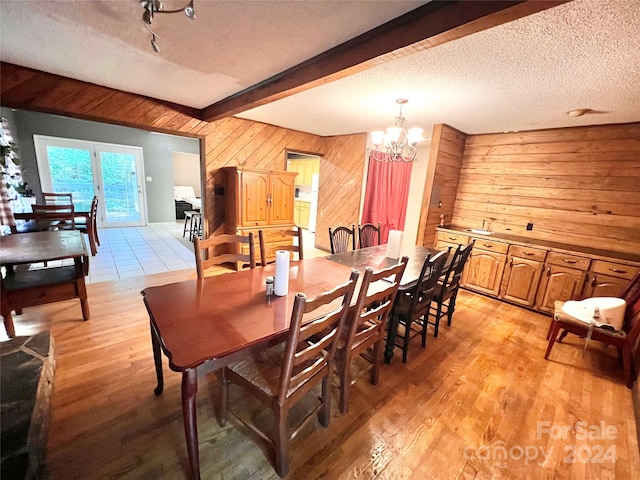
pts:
pixel 218 319
pixel 20 289
pixel 375 257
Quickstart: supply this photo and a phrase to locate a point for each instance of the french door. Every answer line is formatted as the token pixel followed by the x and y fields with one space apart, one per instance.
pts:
pixel 112 172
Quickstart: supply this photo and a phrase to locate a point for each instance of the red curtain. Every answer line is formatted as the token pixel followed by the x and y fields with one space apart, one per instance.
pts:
pixel 386 195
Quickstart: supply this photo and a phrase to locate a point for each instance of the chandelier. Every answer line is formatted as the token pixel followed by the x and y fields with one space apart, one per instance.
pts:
pixel 151 7
pixel 397 144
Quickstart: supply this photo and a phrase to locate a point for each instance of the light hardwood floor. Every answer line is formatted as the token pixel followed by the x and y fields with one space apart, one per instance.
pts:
pixel 478 402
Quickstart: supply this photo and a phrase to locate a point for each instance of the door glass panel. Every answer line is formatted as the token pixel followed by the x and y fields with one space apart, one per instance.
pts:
pixel 71 172
pixel 120 182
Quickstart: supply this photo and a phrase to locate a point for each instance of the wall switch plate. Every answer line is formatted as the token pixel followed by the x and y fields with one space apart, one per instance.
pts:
pixel 529 226
pixel 148 179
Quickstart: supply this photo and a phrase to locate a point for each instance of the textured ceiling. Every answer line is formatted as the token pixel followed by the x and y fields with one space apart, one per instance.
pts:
pixel 519 76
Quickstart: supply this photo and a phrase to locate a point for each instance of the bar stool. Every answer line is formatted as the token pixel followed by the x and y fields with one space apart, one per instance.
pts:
pixel 192 220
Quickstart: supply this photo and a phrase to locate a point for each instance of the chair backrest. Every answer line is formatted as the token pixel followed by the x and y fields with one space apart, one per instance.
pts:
pixel 368 235
pixel 415 302
pixel 375 300
pixel 632 319
pixel 312 345
pixel 294 233
pixel 632 288
pixel 341 238
pixel 60 217
pixel 57 198
pixel 453 274
pixel 205 251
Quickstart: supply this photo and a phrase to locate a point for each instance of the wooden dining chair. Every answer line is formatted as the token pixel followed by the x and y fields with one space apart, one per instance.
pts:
pixel 411 309
pixel 368 235
pixel 51 198
pixel 296 245
pixel 54 217
pixel 366 327
pixel 624 340
pixel 223 249
pixel 89 225
pixel 284 374
pixel 447 288
pixel 341 238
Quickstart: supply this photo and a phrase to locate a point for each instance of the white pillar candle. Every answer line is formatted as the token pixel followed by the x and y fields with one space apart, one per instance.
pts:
pixel 281 284
pixel 395 243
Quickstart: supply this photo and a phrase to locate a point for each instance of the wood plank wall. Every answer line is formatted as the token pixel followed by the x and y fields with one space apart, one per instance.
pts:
pixel 441 183
pixel 576 185
pixel 229 141
pixel 340 187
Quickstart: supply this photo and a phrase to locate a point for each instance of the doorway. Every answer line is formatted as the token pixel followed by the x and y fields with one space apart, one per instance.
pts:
pixel 111 172
pixel 306 189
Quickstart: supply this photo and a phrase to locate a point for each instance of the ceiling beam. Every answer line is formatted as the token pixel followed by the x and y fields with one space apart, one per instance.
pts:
pixel 432 24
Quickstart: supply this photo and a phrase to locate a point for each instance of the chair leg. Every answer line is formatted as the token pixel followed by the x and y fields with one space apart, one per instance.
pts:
pixel 552 338
pixel 377 361
pixel 626 363
pixel 405 340
pixel 436 325
pixel 551 323
pixel 281 440
pixel 425 323
pixel 451 308
pixel 324 415
pixel 184 229
pixel 344 372
pixel 223 398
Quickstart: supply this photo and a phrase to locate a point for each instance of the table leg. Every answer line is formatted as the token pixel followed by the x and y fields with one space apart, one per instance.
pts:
pixel 5 310
pixel 157 360
pixel 392 329
pixel 189 389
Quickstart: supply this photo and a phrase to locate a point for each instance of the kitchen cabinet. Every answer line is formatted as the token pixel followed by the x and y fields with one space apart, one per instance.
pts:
pixel 301 211
pixel 485 266
pixel 522 275
pixel 305 170
pixel 608 279
pixel 259 200
pixel 563 279
pixel 448 239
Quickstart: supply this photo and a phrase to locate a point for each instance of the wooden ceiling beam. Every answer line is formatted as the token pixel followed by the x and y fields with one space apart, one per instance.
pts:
pixel 432 24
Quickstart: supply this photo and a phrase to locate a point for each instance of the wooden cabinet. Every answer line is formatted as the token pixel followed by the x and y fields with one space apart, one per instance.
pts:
pixel 558 283
pixel 305 170
pixel 301 211
pixel 259 200
pixel 485 266
pixel 608 279
pixel 522 275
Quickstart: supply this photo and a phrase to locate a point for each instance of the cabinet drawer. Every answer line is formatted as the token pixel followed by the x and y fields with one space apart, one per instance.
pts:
pixel 613 269
pixel 456 238
pixel 527 252
pixel 490 245
pixel 566 260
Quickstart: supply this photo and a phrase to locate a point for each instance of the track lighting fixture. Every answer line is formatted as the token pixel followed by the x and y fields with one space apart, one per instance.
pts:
pixel 152 7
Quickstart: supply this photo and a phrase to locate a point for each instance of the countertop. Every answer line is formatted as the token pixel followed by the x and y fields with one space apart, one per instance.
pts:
pixel 556 246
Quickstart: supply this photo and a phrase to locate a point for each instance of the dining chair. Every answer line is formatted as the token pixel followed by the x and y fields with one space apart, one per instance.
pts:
pixel 295 233
pixel 223 249
pixel 284 374
pixel 341 238
pixel 624 340
pixel 447 288
pixel 51 198
pixel 368 235
pixel 366 326
pixel 89 225
pixel 411 309
pixel 54 217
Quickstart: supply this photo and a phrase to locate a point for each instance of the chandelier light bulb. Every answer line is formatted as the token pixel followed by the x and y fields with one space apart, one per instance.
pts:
pixel 399 143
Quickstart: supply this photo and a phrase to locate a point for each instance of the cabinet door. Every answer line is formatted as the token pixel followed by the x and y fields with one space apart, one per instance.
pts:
pixel 521 279
pixel 604 285
pixel 254 194
pixel 281 199
pixel 296 213
pixel 304 214
pixel 483 271
pixel 558 283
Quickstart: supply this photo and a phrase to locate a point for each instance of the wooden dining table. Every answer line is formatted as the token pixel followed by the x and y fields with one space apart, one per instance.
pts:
pixel 220 319
pixel 21 288
pixel 376 258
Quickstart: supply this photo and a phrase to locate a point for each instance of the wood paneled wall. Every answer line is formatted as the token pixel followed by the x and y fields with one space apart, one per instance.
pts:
pixel 225 142
pixel 340 185
pixel 576 185
pixel 441 183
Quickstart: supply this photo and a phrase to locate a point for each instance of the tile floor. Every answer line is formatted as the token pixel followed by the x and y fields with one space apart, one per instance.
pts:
pixel 137 251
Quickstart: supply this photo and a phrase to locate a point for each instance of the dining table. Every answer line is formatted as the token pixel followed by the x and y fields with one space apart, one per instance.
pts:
pixel 22 287
pixel 376 258
pixel 219 319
